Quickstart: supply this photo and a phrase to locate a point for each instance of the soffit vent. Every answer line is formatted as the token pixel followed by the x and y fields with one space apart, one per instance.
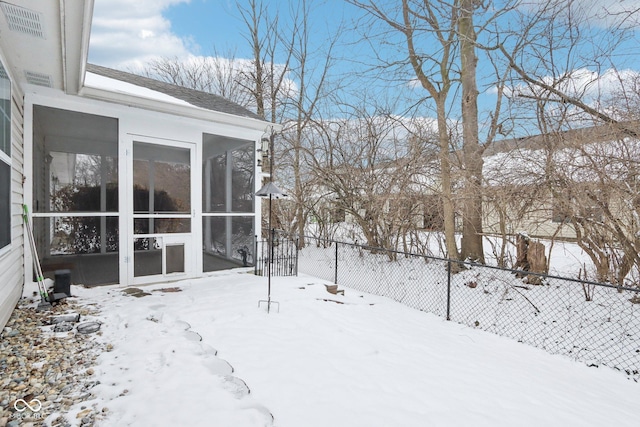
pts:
pixel 23 20
pixel 38 79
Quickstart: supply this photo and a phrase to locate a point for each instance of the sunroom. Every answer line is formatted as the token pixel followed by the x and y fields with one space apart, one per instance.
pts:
pixel 128 180
pixel 131 195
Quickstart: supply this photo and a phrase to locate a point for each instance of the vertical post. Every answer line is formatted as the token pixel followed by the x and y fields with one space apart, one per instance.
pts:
pixel 255 257
pixel 271 245
pixel 297 251
pixel 208 246
pixel 270 259
pixel 152 197
pixel 336 265
pixel 449 290
pixel 103 204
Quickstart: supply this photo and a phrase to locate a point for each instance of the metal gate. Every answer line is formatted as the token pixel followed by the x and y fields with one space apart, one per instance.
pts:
pixel 281 257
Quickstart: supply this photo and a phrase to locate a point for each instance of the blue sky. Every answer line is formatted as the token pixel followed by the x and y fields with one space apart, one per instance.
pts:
pixel 127 34
pixel 218 22
pixel 208 23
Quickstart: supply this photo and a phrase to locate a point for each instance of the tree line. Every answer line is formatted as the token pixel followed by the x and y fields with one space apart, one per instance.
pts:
pixel 467 77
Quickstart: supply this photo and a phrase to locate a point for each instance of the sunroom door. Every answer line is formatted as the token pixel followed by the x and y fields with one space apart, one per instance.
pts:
pixel 162 211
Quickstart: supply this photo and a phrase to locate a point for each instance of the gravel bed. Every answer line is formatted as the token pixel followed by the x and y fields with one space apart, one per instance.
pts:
pixel 46 373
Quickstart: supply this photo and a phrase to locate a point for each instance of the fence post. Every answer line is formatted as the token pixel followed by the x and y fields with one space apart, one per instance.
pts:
pixel 336 265
pixel 271 247
pixel 297 252
pixel 449 290
pixel 255 258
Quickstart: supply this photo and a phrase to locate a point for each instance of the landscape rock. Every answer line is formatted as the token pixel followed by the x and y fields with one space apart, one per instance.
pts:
pixel 39 366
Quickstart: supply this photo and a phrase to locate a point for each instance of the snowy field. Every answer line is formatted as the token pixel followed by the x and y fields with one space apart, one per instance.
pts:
pixel 183 358
pixel 555 317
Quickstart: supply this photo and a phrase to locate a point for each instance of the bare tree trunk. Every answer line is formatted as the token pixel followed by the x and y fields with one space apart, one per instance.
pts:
pixel 252 18
pixel 472 206
pixel 448 207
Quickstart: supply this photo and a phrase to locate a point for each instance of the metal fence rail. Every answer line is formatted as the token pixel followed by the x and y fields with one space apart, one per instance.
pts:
pixel 556 315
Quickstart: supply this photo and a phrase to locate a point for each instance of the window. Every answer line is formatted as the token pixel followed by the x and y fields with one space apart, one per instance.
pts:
pixel 228 169
pixel 228 202
pixel 5 159
pixel 76 193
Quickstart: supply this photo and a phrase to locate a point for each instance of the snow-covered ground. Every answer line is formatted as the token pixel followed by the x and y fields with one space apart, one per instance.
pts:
pixel 327 360
pixel 556 316
pixel 565 258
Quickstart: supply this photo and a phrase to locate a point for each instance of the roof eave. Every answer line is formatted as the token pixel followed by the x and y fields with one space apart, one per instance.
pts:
pixel 181 110
pixel 75 21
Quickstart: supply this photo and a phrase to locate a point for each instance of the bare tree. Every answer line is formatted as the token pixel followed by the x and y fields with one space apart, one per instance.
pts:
pixel 266 79
pixel 567 60
pixel 472 200
pixel 374 171
pixel 565 50
pixel 442 39
pixel 220 73
pixel 433 69
pixel 310 70
pixel 596 194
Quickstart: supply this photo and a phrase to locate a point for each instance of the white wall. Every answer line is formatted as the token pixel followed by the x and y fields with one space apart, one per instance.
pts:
pixel 12 260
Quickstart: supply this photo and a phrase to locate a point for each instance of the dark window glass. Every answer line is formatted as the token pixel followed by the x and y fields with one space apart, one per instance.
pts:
pixel 5 159
pixel 161 225
pixel 228 168
pixel 5 204
pixel 76 182
pixel 230 238
pixel 164 172
pixel 5 112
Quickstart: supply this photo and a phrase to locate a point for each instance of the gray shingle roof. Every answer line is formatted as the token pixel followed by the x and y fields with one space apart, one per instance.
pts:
pixel 196 98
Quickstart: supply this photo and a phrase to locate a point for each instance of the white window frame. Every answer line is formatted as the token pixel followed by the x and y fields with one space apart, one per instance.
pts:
pixel 6 158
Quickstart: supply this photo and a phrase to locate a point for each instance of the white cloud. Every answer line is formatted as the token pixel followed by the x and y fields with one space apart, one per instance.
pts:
pixel 614 93
pixel 600 13
pixel 414 84
pixel 607 13
pixel 127 34
pixel 582 83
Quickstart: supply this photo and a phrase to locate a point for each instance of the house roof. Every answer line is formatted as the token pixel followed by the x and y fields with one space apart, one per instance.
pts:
pixel 579 155
pixel 46 43
pixel 192 97
pixel 596 133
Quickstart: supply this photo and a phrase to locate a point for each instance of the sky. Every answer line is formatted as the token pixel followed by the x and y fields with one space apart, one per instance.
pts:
pixel 127 35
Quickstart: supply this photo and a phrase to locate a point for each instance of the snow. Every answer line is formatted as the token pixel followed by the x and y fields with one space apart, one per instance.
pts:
pixel 327 360
pixel 105 83
pixel 555 317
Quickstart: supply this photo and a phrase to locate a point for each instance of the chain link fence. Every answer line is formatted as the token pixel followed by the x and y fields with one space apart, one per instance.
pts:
pixel 595 323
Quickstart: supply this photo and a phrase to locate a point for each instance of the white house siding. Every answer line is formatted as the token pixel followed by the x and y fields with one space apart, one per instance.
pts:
pixel 537 221
pixel 12 262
